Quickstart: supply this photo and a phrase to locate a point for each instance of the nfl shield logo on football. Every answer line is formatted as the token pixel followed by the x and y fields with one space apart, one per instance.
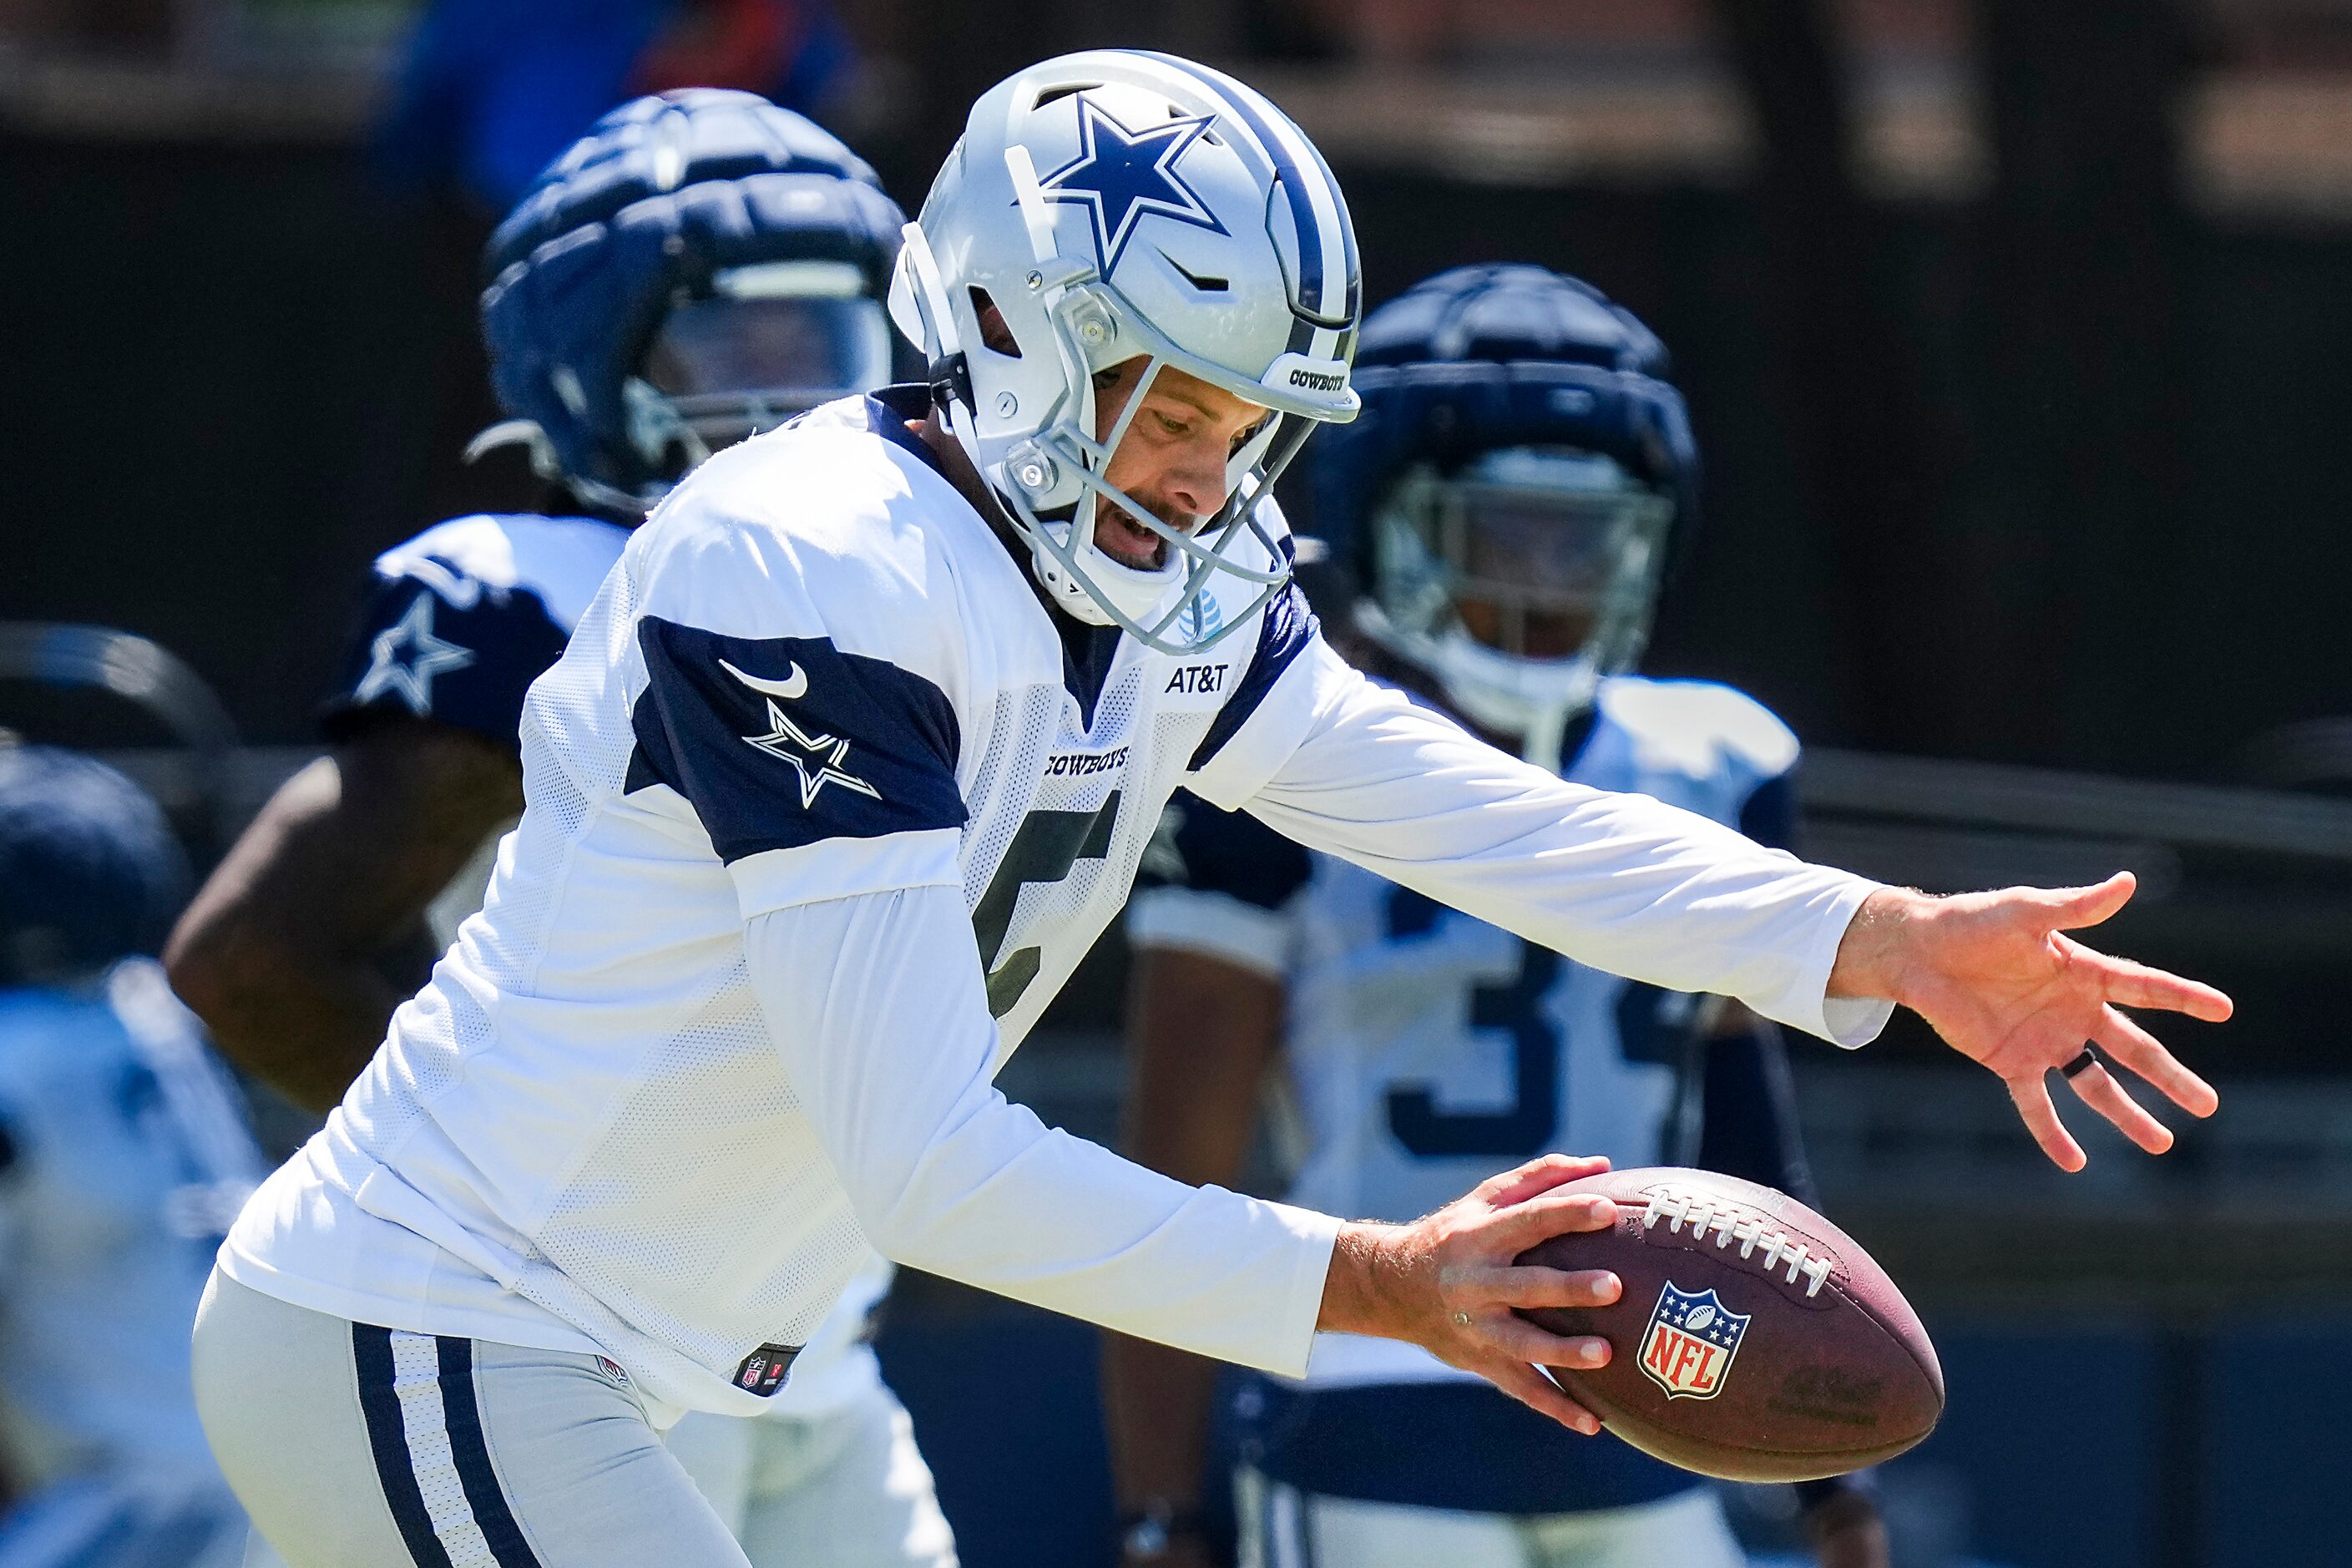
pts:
pixel 1688 1346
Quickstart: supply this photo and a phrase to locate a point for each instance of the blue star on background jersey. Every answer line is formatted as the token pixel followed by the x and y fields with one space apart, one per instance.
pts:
pixel 405 658
pixel 461 619
pixel 1122 175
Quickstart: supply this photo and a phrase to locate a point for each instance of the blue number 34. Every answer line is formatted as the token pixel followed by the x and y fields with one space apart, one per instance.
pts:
pixel 1529 1124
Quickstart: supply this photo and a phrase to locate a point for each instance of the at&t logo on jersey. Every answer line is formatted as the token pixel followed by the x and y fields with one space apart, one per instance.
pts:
pixel 1688 1348
pixel 1200 619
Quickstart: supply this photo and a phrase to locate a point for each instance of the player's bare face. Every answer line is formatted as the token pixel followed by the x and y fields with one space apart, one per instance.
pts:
pixel 1172 458
pixel 1540 634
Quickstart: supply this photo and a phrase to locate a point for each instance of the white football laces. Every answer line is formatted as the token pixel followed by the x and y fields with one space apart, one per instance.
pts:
pixel 1777 1246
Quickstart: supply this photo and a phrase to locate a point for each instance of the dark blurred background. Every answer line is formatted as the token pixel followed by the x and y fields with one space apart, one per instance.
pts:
pixel 2018 334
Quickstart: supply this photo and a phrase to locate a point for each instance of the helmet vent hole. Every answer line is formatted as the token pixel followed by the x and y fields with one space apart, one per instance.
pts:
pixel 1205 284
pixel 1056 94
pixel 993 333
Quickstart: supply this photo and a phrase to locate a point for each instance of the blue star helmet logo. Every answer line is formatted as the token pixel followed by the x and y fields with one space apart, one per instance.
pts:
pixel 1122 175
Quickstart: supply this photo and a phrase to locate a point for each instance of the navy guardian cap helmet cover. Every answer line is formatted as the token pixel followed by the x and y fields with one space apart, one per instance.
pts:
pixel 659 204
pixel 1489 390
pixel 89 869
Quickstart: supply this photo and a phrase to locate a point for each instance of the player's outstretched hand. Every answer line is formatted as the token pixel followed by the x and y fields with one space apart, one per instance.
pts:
pixel 2000 980
pixel 1449 1283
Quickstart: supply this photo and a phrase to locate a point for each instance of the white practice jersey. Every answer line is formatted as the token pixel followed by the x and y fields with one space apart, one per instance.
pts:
pixel 126 1156
pixel 1427 1050
pixel 648 1104
pixel 460 620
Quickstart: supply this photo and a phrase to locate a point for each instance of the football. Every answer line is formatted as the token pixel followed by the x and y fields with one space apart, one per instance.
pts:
pixel 1754 1341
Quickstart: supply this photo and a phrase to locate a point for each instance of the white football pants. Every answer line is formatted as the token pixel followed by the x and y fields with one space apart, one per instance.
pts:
pixel 846 1486
pixel 354 1447
pixel 1282 1527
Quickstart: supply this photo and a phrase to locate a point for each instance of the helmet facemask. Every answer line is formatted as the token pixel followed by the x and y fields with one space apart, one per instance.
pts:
pixel 1518 583
pixel 765 343
pixel 1162 608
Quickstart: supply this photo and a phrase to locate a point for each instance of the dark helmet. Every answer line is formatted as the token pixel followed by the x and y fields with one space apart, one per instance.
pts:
pixel 704 230
pixel 1507 502
pixel 90 871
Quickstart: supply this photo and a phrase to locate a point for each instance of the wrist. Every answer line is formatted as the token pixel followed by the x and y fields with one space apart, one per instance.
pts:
pixel 1874 957
pixel 1361 1279
pixel 1153 1526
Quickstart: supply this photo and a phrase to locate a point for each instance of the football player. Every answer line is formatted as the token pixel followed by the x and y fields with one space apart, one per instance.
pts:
pixel 124 1155
pixel 846 766
pixel 701 265
pixel 1503 508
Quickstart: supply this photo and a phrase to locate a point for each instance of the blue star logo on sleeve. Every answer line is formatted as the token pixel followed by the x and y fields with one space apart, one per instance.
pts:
pixel 406 657
pixel 817 759
pixel 1122 175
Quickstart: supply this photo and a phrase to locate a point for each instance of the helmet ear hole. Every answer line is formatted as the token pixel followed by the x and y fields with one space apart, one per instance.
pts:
pixel 993 333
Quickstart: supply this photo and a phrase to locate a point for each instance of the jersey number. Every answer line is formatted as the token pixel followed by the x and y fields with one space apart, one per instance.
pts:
pixel 1045 848
pixel 1652 1027
pixel 1514 1007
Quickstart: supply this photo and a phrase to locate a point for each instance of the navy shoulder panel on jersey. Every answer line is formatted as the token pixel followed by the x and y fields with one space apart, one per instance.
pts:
pixel 1231 852
pixel 784 742
pixel 1284 634
pixel 889 408
pixel 464 617
pixel 465 664
pixel 1769 814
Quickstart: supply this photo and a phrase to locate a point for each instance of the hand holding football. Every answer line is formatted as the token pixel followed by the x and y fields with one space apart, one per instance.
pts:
pixel 1755 1341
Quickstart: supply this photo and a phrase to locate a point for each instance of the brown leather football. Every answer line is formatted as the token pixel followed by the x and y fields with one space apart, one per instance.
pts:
pixel 1755 1341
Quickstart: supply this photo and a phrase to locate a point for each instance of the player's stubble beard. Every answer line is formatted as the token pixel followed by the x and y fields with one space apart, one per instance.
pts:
pixel 961 472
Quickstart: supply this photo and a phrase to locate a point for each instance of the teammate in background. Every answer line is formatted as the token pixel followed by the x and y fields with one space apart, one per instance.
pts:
pixel 702 265
pixel 844 771
pixel 123 1157
pixel 1503 512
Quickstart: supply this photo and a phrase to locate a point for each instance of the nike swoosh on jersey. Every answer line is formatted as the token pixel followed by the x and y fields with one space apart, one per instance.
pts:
pixel 791 686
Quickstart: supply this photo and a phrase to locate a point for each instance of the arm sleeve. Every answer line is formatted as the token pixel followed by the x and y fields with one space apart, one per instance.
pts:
pixel 877 1006
pixel 1618 881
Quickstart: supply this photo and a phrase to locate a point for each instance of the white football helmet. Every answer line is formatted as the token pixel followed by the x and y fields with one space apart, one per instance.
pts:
pixel 1115 204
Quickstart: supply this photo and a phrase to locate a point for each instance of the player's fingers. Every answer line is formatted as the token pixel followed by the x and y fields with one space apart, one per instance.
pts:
pixel 2072 909
pixel 2096 1087
pixel 1505 1334
pixel 1513 1230
pixel 2031 1095
pixel 2143 1053
pixel 2124 984
pixel 1538 1287
pixel 1539 1175
pixel 1533 1389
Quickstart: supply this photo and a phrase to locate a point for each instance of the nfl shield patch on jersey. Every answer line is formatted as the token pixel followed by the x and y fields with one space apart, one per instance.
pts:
pixel 763 1371
pixel 1688 1347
